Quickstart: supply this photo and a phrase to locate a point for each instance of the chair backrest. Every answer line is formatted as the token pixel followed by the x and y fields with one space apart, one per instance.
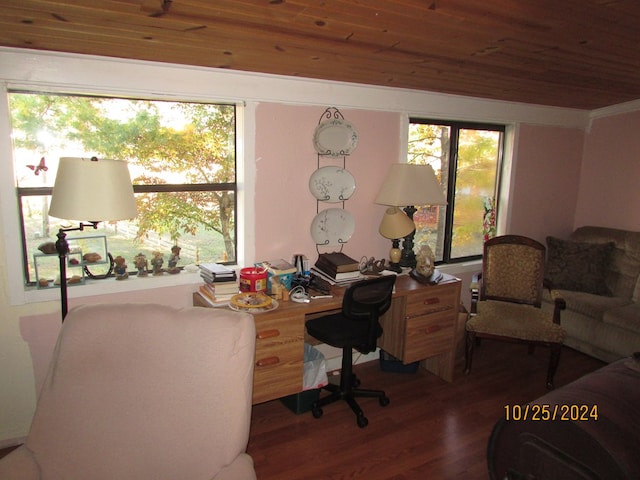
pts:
pixel 139 391
pixel 367 300
pixel 513 270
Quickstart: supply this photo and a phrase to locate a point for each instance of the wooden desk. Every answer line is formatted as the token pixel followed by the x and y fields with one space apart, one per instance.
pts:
pixel 419 326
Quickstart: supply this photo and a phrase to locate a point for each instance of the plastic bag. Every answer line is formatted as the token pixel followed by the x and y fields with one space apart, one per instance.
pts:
pixel 315 368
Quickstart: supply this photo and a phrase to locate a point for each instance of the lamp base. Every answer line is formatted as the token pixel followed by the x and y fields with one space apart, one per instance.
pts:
pixel 394 267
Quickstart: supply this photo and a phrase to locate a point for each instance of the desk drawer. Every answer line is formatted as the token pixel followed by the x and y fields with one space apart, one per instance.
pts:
pixel 428 335
pixel 435 300
pixel 279 359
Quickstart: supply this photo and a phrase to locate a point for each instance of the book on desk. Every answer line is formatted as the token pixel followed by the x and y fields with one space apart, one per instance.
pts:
pixel 337 268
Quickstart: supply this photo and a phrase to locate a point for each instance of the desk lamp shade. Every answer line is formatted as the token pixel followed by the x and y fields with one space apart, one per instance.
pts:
pixel 91 189
pixel 394 226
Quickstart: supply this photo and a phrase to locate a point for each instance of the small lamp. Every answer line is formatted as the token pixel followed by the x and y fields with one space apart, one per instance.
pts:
pixel 407 185
pixel 88 190
pixel 395 225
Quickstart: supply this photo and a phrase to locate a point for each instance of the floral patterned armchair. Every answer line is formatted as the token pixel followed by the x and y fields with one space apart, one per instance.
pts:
pixel 506 300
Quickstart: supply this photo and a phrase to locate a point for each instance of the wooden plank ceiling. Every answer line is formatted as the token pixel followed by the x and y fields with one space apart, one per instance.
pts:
pixel 581 54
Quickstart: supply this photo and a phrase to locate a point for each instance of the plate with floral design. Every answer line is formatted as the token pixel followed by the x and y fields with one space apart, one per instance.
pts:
pixel 332 184
pixel 333 226
pixel 335 138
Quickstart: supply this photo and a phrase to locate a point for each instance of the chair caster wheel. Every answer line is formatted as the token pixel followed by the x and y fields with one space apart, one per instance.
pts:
pixel 362 421
pixel 316 412
pixel 384 401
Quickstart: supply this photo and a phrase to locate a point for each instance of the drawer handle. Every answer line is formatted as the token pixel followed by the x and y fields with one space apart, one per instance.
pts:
pixel 268 334
pixel 433 329
pixel 265 362
pixel 431 301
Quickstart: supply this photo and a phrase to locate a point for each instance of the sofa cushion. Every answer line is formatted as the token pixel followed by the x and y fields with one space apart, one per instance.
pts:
pixel 624 269
pixel 578 266
pixel 587 304
pixel 627 317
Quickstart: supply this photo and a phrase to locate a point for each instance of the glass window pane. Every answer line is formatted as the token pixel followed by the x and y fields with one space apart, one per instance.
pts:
pixel 429 145
pixel 478 153
pixel 204 240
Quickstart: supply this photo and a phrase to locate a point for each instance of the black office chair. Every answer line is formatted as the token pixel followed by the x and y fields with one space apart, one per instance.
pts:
pixel 356 327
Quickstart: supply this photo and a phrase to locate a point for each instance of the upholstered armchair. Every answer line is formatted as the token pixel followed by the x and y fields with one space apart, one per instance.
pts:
pixel 143 392
pixel 506 300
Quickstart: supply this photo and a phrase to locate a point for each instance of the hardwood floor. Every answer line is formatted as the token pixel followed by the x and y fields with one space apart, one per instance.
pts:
pixel 431 429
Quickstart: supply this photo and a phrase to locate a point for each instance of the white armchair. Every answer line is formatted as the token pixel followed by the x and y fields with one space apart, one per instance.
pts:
pixel 137 391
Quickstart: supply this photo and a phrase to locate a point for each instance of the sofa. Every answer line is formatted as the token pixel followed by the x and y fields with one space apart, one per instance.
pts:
pixel 585 430
pixel 143 392
pixel 595 275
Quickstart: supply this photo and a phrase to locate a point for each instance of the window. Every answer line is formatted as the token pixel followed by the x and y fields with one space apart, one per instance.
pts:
pixel 466 158
pixel 182 160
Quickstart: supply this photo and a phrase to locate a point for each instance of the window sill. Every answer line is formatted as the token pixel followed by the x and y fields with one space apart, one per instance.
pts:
pixel 112 286
pixel 461 268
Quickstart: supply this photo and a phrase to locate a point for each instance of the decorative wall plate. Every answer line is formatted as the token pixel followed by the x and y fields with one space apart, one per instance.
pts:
pixel 332 184
pixel 333 226
pixel 335 137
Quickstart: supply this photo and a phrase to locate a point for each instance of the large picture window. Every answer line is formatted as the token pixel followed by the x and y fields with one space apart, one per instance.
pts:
pixel 182 160
pixel 466 158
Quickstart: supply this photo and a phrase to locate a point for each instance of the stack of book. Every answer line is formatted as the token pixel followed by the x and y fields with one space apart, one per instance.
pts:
pixel 218 294
pixel 215 272
pixel 220 283
pixel 337 268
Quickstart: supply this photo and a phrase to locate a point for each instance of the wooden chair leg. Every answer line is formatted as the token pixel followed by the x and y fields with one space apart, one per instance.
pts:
pixel 554 359
pixel 468 352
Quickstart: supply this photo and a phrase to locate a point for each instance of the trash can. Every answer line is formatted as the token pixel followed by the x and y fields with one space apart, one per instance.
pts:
pixel 315 377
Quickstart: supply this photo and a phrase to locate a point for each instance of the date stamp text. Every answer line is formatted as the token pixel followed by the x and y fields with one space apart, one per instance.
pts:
pixel 544 412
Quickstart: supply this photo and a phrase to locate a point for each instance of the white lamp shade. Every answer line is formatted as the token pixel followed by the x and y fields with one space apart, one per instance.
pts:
pixel 90 189
pixel 407 184
pixel 395 224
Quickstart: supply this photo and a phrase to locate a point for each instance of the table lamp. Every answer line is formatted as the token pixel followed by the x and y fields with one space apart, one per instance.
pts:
pixel 395 225
pixel 89 191
pixel 408 185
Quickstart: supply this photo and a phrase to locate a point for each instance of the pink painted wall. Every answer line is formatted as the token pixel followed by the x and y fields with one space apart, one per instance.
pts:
pixel 609 183
pixel 546 182
pixel 286 158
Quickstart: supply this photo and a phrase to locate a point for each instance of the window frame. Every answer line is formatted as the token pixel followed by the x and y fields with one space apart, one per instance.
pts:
pixel 137 188
pixel 456 126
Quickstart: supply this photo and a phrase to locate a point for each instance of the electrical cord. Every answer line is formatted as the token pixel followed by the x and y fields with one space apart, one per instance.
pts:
pixel 299 294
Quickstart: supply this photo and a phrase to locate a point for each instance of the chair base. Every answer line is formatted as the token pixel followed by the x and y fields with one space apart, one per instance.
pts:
pixel 349 395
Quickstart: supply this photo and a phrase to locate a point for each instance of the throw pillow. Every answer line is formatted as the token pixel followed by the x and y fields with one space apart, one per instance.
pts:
pixel 578 266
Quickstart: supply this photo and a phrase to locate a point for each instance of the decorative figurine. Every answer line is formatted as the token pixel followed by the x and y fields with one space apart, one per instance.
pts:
pixel 371 266
pixel 156 263
pixel 120 268
pixel 140 261
pixel 173 260
pixel 425 271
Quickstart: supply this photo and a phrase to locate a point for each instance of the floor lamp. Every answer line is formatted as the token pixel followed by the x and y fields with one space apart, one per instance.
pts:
pixel 88 190
pixel 408 185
